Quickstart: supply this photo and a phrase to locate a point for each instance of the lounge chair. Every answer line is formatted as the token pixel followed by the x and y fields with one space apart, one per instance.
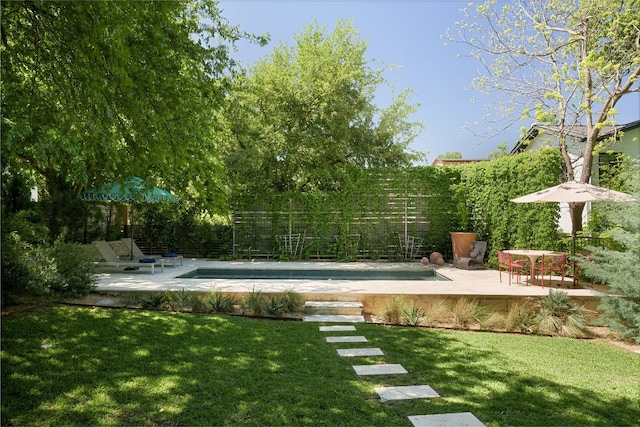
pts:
pixel 130 244
pixel 110 258
pixel 475 260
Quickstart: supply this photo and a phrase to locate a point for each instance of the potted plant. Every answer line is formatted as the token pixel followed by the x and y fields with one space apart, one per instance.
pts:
pixel 461 241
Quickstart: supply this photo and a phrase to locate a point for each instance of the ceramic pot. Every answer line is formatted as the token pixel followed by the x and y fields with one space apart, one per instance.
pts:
pixel 461 243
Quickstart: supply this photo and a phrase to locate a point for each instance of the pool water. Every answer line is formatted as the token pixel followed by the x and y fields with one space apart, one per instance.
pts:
pixel 320 274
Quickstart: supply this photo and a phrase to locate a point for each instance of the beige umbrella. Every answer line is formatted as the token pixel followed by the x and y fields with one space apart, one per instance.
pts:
pixel 574 192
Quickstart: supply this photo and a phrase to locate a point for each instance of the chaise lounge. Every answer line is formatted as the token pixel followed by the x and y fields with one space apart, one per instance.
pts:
pixel 111 259
pixel 137 253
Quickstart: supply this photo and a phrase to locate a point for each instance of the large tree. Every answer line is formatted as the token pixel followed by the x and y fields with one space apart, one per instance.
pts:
pixel 304 114
pixel 95 91
pixel 561 62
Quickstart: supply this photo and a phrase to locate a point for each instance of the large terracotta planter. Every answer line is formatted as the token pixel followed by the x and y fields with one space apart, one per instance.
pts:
pixel 462 243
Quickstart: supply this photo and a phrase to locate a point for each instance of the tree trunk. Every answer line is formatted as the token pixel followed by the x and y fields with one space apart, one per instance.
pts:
pixel 576 210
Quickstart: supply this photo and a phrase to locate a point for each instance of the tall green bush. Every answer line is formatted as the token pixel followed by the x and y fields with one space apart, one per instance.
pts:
pixel 619 267
pixel 32 266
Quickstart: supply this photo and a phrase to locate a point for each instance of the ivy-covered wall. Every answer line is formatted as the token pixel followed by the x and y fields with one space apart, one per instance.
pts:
pixel 377 209
pixel 484 195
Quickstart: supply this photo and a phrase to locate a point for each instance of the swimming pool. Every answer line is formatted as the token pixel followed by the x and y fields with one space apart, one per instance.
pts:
pixel 319 274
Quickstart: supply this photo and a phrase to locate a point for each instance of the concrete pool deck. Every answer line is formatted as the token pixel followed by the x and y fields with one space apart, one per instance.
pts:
pixel 482 285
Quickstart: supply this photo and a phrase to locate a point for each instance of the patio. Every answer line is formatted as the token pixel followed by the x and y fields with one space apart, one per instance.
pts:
pixel 481 285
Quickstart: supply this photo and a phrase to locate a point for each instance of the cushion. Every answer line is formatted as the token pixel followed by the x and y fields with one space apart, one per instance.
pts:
pixel 475 250
pixel 147 260
pixel 169 255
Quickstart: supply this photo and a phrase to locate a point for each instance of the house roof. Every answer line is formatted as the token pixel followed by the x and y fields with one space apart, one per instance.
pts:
pixel 578 131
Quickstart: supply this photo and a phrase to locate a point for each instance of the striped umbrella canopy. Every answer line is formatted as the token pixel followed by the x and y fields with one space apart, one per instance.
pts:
pixel 131 190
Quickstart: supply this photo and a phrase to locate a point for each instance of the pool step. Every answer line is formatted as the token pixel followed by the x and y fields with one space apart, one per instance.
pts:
pixel 346 308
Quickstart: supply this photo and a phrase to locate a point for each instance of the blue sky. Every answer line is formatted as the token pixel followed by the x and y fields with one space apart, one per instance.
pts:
pixel 406 34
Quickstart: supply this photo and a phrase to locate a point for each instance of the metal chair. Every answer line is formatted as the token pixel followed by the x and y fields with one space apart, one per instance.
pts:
pixel 556 263
pixel 506 262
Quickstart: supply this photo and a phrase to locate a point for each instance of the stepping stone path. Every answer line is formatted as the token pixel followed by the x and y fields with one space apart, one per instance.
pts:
pixel 406 392
pixel 462 419
pixel 344 312
pixel 348 338
pixel 337 328
pixel 359 352
pixel 383 369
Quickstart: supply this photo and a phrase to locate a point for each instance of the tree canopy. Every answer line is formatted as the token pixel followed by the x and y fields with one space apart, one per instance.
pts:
pixel 305 114
pixel 561 62
pixel 99 91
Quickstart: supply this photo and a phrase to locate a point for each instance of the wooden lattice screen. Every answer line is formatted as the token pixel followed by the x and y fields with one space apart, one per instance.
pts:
pixel 393 215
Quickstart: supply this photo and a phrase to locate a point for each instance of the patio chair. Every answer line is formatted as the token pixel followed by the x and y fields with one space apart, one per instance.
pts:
pixel 111 259
pixel 556 263
pixel 137 253
pixel 506 262
pixel 475 260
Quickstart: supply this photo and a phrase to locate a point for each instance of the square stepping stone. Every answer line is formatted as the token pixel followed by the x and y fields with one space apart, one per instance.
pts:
pixel 384 369
pixel 406 392
pixel 348 338
pixel 334 318
pixel 337 328
pixel 357 352
pixel 461 419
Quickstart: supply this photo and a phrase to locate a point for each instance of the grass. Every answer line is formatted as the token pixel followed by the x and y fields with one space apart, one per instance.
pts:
pixel 135 367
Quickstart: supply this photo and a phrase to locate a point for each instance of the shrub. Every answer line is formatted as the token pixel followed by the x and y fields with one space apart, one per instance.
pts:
pixel 220 303
pixel 253 303
pixel 436 311
pixel 558 315
pixel 75 269
pixel 466 312
pixel 201 305
pixel 291 301
pixel 180 300
pixel 273 306
pixel 412 315
pixel 519 318
pixel 33 267
pixel 619 267
pixel 156 300
pixel 392 311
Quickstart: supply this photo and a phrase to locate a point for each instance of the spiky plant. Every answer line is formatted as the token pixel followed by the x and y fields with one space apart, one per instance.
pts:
pixel 180 300
pixel 156 300
pixel 558 315
pixel 273 306
pixel 412 315
pixel 466 312
pixel 519 318
pixel 437 310
pixel 219 302
pixel 253 303
pixel 201 305
pixel 392 311
pixel 291 301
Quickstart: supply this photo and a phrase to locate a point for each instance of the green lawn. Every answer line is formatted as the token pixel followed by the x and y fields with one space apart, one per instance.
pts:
pixel 124 367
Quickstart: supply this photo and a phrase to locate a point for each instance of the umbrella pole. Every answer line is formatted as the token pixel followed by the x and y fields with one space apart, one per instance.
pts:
pixel 131 230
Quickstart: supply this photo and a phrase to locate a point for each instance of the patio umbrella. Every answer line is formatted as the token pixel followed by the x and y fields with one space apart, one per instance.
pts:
pixel 574 192
pixel 132 190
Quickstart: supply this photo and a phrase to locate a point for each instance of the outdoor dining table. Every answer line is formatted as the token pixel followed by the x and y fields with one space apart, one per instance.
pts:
pixel 533 256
